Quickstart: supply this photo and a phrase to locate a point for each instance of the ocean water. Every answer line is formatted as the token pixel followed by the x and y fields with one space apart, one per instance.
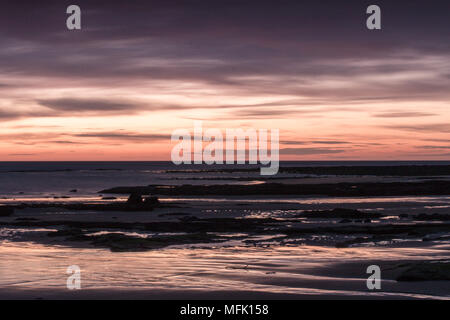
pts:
pixel 36 179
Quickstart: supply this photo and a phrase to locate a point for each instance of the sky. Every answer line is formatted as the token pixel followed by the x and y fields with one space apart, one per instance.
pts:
pixel 138 70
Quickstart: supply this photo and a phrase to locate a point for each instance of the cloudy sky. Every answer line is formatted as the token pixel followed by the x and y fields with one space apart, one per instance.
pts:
pixel 138 70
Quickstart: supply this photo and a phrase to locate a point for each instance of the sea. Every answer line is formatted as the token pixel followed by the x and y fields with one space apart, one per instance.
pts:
pixel 38 179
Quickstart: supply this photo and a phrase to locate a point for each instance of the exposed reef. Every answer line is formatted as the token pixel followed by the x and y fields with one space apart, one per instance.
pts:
pixel 134 203
pixel 339 213
pixel 116 241
pixel 196 230
pixel 332 189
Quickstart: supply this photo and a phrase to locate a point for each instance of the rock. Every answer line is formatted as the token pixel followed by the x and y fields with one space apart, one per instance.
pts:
pixel 348 243
pixel 328 189
pixel 432 217
pixel 426 271
pixel 339 213
pixel 135 198
pixel 435 237
pixel 73 190
pixel 359 240
pixel 116 241
pixel 66 232
pixel 151 200
pixel 136 202
pixel 6 211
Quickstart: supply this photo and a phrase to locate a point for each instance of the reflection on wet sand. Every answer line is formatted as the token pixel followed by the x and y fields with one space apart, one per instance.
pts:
pixel 206 240
pixel 32 270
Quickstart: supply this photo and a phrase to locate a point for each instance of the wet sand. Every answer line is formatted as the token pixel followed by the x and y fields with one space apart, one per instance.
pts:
pixel 269 248
pixel 300 237
pixel 231 273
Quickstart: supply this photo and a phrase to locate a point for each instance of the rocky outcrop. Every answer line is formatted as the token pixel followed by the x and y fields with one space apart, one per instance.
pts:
pixel 117 241
pixel 136 201
pixel 147 204
pixel 432 217
pixel 340 213
pixel 432 187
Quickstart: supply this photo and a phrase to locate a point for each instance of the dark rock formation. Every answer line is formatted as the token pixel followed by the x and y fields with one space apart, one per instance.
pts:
pixel 135 199
pixel 133 205
pixel 432 187
pixel 432 217
pixel 6 211
pixel 117 241
pixel 341 213
pixel 151 200
pixel 426 271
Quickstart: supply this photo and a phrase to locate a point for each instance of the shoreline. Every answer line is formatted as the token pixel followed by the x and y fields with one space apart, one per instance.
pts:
pixel 261 241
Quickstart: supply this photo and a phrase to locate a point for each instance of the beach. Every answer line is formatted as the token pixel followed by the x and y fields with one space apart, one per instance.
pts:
pixel 266 242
